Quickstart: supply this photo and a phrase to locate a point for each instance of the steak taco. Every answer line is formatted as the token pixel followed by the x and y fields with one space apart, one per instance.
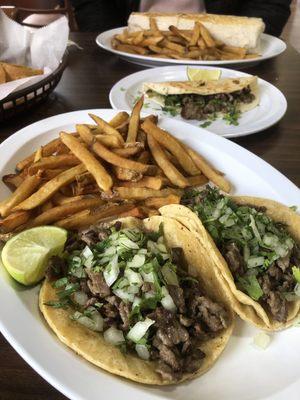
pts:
pixel 140 300
pixel 205 99
pixel 254 244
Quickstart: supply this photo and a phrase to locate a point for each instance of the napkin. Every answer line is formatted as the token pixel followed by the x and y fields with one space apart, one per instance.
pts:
pixel 35 47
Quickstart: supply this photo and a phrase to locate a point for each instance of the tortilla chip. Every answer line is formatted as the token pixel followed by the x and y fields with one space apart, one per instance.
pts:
pixel 92 346
pixel 2 75
pixel 247 308
pixel 14 72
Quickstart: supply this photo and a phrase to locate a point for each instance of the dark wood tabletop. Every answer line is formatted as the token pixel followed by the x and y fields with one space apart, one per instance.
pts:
pixel 86 83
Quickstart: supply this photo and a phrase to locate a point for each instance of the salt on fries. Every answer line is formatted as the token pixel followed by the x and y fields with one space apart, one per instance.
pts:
pixel 78 179
pixel 197 44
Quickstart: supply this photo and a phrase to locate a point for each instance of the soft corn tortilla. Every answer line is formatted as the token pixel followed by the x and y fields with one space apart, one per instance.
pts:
pixel 247 308
pixel 204 88
pixel 92 346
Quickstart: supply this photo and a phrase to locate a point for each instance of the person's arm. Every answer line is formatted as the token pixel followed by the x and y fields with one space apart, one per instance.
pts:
pixel 275 13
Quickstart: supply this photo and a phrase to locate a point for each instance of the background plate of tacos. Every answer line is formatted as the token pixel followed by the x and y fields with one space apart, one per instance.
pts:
pixel 265 110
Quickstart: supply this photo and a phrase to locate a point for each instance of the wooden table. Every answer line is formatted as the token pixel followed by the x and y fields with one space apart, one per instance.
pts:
pixel 86 84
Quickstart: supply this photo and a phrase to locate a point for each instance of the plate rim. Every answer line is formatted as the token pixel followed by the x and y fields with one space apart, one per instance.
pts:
pixel 141 58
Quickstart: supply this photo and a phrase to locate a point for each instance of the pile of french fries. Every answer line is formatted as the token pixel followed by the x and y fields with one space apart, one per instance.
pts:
pixel 197 44
pixel 126 167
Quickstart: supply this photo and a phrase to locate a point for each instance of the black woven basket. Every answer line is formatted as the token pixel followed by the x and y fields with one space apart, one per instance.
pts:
pixel 25 99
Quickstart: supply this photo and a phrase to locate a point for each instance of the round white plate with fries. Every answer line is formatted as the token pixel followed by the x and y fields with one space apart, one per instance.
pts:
pixel 271 47
pixel 40 151
pixel 271 109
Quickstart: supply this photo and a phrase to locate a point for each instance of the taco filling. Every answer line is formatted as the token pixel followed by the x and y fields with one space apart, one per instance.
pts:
pixel 196 106
pixel 126 285
pixel 263 258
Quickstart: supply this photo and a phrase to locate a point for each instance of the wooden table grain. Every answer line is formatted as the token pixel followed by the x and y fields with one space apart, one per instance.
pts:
pixel 86 83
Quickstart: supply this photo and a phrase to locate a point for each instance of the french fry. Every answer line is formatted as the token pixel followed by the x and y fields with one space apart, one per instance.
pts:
pixel 134 121
pixel 14 220
pixel 151 182
pixel 138 38
pixel 209 41
pixel 49 188
pixel 153 25
pixel 144 157
pixel 240 51
pixel 46 206
pixel 180 33
pixel 53 162
pixel 103 179
pixel 127 152
pixel 212 174
pixel 162 160
pixel 201 44
pixel 38 155
pixel 25 189
pixel 174 146
pixel 86 217
pixel 106 154
pixel 56 213
pixel 150 212
pixel 47 150
pixel 130 48
pixel 137 193
pixel 197 180
pixel 12 181
pixel 136 212
pixel 161 51
pixel 196 34
pixel 157 202
pixel 62 149
pixel 106 127
pixel 109 141
pixel 51 173
pixel 125 174
pixel 151 41
pixel 59 199
pixel 178 48
pixel 119 119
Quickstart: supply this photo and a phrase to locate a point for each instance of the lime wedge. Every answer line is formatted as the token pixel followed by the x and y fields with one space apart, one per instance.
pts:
pixel 26 254
pixel 195 74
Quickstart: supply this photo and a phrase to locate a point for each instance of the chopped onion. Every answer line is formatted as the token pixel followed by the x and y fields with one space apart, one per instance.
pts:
pixel 136 302
pixel 148 276
pixel 95 322
pixel 169 275
pixel 111 271
pixel 254 261
pixel 139 330
pixel 80 298
pixel 124 295
pixel 137 261
pixel 114 336
pixel 87 252
pixel 262 340
pixel 124 241
pixel 254 228
pixel 142 351
pixel 297 289
pixel 134 278
pixel 167 301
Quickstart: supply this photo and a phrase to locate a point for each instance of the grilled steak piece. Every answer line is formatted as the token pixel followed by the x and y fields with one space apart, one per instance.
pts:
pixel 97 284
pixel 177 295
pixel 234 259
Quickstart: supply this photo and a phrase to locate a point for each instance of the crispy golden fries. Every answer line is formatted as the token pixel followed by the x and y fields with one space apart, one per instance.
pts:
pixel 92 174
pixel 106 154
pixel 119 119
pixel 144 193
pixel 53 162
pixel 170 143
pixel 26 188
pixel 51 187
pixel 103 179
pixel 162 160
pixel 197 44
pixel 157 202
pixel 134 121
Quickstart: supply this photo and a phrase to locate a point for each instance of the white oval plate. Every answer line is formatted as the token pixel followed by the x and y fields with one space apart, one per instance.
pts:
pixel 271 109
pixel 243 372
pixel 271 47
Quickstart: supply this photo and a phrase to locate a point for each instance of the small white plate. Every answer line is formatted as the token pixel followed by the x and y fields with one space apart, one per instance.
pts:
pixel 271 47
pixel 242 372
pixel 271 109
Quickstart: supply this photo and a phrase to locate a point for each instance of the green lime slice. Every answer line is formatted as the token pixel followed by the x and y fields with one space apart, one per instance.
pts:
pixel 26 254
pixel 195 74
